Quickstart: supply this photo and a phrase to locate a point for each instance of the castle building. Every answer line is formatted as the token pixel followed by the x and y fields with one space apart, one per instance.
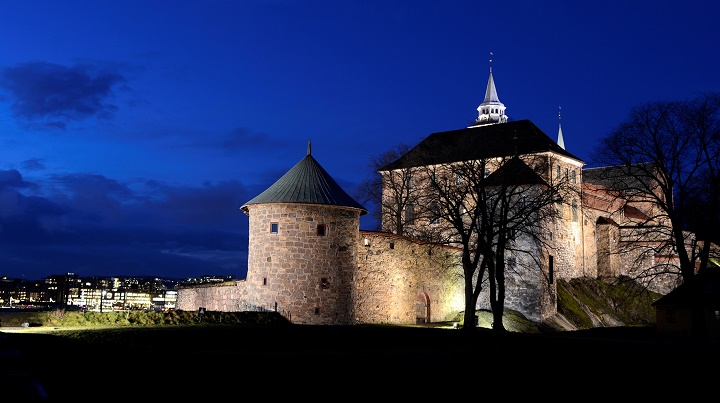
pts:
pixel 309 260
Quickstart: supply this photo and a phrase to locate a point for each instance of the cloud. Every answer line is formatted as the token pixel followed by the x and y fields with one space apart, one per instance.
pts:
pixel 33 165
pixel 53 95
pixel 93 225
pixel 241 139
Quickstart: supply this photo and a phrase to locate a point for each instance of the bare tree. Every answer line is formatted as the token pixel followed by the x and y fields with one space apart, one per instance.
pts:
pixel 496 210
pixel 392 196
pixel 664 160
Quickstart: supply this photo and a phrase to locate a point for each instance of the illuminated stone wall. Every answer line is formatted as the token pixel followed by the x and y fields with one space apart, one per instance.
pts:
pixel 401 281
pixel 223 297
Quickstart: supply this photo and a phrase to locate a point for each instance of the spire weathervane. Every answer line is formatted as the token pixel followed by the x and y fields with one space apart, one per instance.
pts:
pixel 309 150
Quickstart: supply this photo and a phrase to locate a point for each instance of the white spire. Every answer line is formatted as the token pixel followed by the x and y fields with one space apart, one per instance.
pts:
pixel 491 110
pixel 560 140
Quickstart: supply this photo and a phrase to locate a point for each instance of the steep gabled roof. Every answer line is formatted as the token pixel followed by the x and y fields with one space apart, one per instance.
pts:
pixel 514 172
pixel 307 182
pixel 479 142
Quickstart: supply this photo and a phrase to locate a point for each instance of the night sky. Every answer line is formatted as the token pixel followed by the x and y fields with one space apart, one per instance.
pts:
pixel 131 132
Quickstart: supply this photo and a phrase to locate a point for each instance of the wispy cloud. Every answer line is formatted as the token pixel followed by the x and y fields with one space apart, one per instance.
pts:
pixel 52 95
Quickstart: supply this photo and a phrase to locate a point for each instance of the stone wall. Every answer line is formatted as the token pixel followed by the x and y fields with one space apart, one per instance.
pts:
pixel 223 297
pixel 401 281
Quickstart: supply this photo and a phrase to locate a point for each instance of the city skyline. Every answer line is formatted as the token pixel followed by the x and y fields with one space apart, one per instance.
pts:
pixel 133 132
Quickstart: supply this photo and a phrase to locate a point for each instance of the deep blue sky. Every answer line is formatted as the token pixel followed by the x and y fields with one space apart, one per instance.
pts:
pixel 131 132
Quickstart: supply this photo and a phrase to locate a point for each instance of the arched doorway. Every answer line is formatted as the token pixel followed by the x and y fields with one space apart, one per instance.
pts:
pixel 422 308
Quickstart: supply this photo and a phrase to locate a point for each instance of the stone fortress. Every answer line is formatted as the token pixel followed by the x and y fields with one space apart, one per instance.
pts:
pixel 309 260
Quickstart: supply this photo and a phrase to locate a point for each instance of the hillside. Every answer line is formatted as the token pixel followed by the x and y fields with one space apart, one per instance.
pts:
pixel 585 303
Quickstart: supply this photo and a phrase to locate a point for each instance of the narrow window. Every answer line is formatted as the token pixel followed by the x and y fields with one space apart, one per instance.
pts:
pixel 459 179
pixel 409 214
pixel 567 174
pixel 551 271
pixel 435 213
pixel 317 311
pixel 574 210
pixel 557 172
pixel 324 283
pixel 264 280
pixel 574 177
pixel 321 229
pixel 273 227
pixel 392 245
pixel 487 172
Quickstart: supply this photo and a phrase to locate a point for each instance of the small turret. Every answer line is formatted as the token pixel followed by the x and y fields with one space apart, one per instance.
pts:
pixel 491 110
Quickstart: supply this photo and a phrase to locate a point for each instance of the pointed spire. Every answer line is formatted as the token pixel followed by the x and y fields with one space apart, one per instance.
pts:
pixel 560 140
pixel 309 148
pixel 491 110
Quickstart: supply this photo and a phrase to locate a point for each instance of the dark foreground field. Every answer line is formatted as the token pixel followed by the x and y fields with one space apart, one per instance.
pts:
pixel 338 363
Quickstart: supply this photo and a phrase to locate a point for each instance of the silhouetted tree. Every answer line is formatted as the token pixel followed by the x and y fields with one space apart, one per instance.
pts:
pixel 389 209
pixel 495 210
pixel 499 211
pixel 666 156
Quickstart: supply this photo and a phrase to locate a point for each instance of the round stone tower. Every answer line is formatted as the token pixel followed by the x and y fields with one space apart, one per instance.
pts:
pixel 302 250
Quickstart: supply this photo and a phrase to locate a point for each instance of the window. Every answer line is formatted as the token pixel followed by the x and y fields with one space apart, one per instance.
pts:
pixel 324 283
pixel 574 210
pixel 321 229
pixel 434 213
pixel 574 177
pixel 410 183
pixel 511 263
pixel 551 270
pixel 392 245
pixel 274 227
pixel 487 172
pixel 567 174
pixel 264 280
pixel 409 214
pixel 459 179
pixel 557 172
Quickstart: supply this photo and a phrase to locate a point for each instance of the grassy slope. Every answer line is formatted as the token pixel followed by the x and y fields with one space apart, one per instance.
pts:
pixel 583 303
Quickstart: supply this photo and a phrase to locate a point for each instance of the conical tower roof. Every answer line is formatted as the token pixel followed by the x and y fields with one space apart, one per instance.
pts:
pixel 491 110
pixel 307 182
